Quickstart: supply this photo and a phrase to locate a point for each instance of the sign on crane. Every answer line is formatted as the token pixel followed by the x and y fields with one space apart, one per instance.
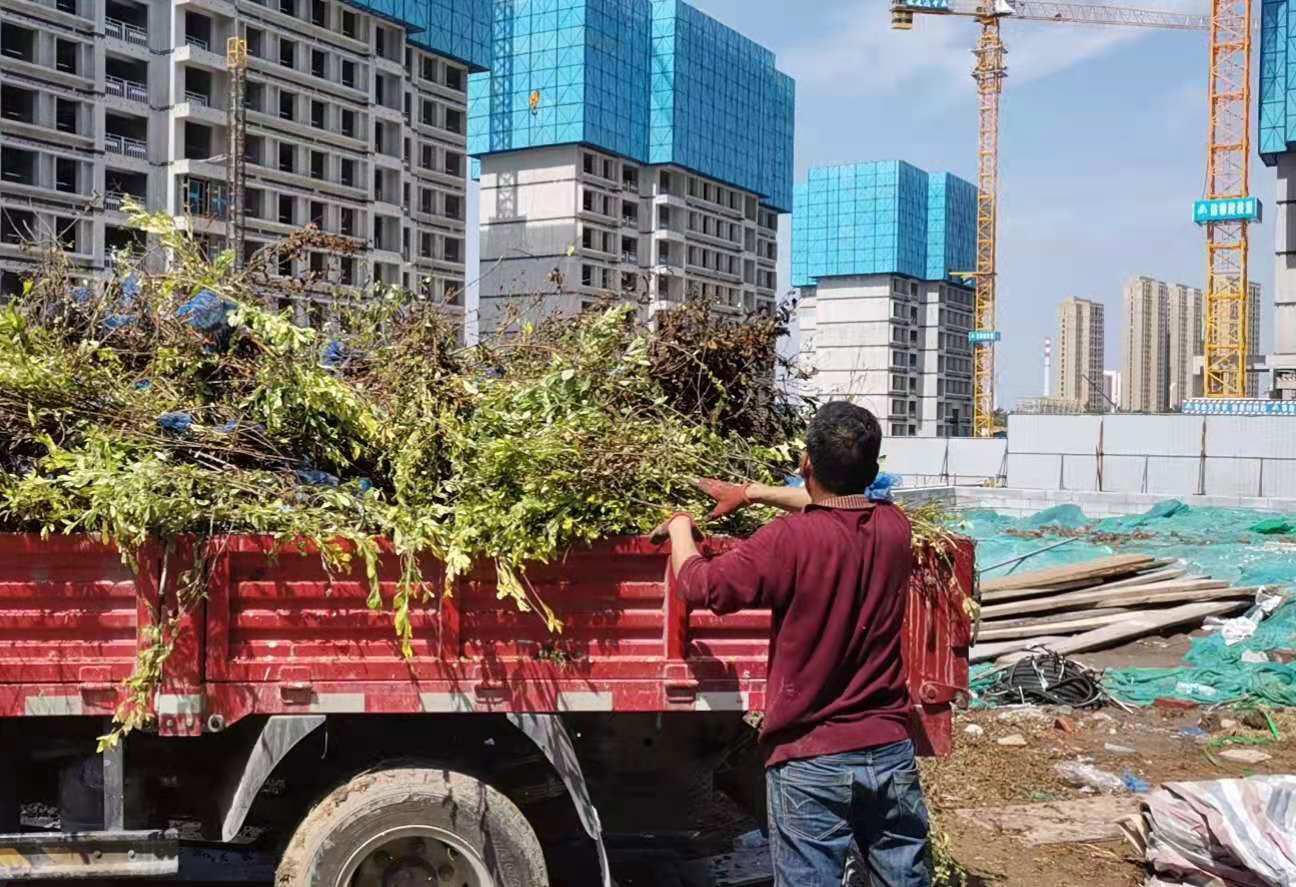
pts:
pixel 989 73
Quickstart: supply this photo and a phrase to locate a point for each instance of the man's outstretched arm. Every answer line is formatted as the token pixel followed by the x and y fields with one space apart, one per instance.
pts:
pixel 734 497
pixel 752 575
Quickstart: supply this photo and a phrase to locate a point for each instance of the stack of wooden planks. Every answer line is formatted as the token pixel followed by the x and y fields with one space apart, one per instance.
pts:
pixel 1097 604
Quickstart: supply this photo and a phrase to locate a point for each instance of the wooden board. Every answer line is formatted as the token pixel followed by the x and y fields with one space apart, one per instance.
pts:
pixel 1155 576
pixel 1101 568
pixel 1121 597
pixel 1130 628
pixel 1060 627
pixel 1058 822
pixel 1148 577
pixel 994 649
pixel 1048 619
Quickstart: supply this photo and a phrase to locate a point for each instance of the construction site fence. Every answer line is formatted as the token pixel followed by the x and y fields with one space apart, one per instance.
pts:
pixel 1169 455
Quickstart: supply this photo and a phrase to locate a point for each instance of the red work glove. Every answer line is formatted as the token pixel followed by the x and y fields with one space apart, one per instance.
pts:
pixel 662 533
pixel 728 497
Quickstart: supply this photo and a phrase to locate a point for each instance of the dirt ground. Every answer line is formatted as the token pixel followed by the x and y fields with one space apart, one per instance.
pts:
pixel 982 773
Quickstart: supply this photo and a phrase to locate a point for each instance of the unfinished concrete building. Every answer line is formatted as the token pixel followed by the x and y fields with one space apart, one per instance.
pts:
pixel 1186 342
pixel 876 248
pixel 1145 346
pixel 630 150
pixel 357 123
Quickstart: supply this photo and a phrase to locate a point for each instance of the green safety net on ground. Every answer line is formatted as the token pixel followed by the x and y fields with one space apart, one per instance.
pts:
pixel 1242 546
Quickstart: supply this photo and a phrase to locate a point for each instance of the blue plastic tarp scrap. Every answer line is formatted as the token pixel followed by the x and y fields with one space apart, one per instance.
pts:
pixel 208 313
pixel 1222 543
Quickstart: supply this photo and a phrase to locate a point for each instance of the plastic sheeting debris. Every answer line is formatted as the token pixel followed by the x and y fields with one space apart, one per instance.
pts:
pixel 1229 831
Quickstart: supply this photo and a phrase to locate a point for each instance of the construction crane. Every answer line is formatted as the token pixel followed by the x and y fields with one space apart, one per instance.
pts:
pixel 989 73
pixel 236 56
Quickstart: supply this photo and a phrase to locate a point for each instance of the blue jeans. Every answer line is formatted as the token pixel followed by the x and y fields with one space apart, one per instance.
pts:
pixel 818 805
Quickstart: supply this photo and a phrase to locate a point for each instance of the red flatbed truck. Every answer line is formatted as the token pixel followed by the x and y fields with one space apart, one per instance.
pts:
pixel 293 737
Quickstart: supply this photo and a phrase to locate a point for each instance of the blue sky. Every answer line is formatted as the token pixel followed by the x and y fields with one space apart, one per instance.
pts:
pixel 1102 145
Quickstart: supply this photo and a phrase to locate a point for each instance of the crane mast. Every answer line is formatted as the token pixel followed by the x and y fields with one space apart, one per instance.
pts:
pixel 236 149
pixel 989 74
pixel 1228 168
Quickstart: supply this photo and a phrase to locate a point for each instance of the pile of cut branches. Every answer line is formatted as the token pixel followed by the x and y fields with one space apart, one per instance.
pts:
pixel 162 404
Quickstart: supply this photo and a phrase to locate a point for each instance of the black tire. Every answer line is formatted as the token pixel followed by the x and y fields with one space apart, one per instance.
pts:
pixel 376 802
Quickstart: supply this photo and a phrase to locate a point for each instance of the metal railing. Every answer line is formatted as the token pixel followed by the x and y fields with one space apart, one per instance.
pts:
pixel 198 42
pixel 127 146
pixel 123 31
pixel 126 89
pixel 197 98
pixel 117 199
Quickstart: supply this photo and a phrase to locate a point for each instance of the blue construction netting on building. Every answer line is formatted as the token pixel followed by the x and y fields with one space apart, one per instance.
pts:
pixel 883 217
pixel 1277 79
pixel 460 29
pixel 652 80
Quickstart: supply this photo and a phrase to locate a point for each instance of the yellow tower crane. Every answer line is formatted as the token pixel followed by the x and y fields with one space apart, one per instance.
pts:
pixel 989 73
pixel 236 56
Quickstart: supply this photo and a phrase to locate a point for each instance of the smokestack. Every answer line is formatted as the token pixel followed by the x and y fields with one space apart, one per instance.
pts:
pixel 1048 367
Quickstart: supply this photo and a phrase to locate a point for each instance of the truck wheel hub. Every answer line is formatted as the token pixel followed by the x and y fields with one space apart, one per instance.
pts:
pixel 415 856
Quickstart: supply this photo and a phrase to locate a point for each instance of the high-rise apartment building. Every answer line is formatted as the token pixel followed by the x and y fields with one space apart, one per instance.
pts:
pixel 875 249
pixel 629 149
pixel 1145 346
pixel 356 123
pixel 1254 309
pixel 1080 354
pixel 1186 344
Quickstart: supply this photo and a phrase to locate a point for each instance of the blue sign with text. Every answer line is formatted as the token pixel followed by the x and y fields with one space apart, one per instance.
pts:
pixel 1228 209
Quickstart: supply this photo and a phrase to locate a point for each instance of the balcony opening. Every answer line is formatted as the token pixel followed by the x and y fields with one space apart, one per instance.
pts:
pixel 127 22
pixel 288 7
pixel 17 226
pixel 455 78
pixel 254 203
pixel 346 271
pixel 427 113
pixel 453 163
pixel 287 210
pixel 348 176
pixel 17 166
pixel 453 249
pixel 198 86
pixel 198 30
pixel 287 53
pixel 287 158
pixel 348 123
pixel 197 141
pixel 379 141
pixel 255 42
pixel 126 135
pixel 630 249
pixel 348 73
pixel 11 285
pixel 119 184
pixel 454 120
pixel 254 150
pixel 17 104
pixel 67 115
pixel 318 114
pixel 346 221
pixel 254 96
pixel 319 63
pixel 317 263
pixel 18 43
pixel 319 13
pixel 287 105
pixel 378 185
pixel 317 214
pixel 317 165
pixel 126 78
pixel 203 197
pixel 453 206
pixel 67 56
pixel 68 6
pixel 285 264
pixel 349 24
pixel 65 175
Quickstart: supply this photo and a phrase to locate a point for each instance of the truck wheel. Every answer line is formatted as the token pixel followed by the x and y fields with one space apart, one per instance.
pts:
pixel 410 826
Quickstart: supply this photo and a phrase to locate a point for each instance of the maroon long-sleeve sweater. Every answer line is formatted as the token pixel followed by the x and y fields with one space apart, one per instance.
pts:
pixel 835 577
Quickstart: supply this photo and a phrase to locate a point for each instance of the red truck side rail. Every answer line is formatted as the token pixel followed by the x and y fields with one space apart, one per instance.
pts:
pixel 277 635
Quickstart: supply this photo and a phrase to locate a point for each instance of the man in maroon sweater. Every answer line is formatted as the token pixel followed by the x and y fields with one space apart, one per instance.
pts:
pixel 839 763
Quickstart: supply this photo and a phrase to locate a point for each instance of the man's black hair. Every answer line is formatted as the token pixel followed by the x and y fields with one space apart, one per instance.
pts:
pixel 843 441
